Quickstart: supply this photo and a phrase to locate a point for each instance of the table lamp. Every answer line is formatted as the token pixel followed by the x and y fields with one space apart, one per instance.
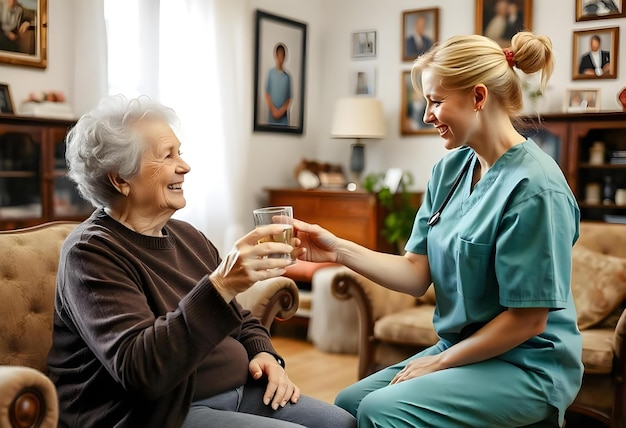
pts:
pixel 358 118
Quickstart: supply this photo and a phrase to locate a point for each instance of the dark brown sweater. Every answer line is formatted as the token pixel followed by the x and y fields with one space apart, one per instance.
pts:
pixel 139 330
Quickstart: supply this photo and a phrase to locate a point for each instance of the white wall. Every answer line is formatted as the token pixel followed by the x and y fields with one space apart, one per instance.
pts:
pixel 554 18
pixel 270 158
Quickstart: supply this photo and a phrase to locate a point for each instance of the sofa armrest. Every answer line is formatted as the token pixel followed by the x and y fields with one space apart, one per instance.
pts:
pixel 373 301
pixel 271 298
pixel 619 370
pixel 27 398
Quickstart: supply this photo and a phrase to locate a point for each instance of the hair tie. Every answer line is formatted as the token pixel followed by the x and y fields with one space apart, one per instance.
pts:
pixel 508 53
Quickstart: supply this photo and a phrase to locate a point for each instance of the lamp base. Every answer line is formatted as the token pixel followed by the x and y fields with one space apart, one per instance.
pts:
pixel 357 161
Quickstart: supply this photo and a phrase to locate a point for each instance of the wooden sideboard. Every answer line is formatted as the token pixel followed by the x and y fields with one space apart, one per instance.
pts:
pixel 34 188
pixel 356 216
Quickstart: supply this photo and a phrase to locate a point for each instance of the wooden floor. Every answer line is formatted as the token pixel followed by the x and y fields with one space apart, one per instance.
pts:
pixel 318 374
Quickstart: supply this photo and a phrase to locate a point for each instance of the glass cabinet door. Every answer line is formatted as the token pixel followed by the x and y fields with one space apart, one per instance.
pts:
pixel 67 202
pixel 20 173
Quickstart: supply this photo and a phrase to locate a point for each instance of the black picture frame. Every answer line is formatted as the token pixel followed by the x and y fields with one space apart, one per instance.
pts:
pixel 27 45
pixel 271 32
pixel 6 102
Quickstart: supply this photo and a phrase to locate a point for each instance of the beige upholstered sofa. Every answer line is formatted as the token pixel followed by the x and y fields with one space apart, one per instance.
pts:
pixel 394 326
pixel 28 265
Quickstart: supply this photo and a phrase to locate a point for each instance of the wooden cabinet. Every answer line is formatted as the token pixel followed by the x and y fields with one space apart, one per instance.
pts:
pixel 356 216
pixel 569 139
pixel 34 188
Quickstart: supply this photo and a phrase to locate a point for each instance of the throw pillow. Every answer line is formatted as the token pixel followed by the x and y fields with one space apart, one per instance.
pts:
pixel 598 285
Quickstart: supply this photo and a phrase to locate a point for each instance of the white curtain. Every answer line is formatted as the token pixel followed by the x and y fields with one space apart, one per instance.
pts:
pixel 90 59
pixel 169 50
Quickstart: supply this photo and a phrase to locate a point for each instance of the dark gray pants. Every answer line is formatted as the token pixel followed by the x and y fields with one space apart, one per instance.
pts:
pixel 243 407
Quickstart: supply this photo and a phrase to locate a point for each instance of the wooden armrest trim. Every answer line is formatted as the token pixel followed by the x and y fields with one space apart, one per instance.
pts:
pixel 27 409
pixel 344 286
pixel 282 305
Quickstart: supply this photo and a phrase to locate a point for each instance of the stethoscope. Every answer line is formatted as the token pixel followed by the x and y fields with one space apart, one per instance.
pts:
pixel 435 217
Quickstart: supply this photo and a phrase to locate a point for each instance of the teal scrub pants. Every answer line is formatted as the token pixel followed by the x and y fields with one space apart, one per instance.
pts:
pixel 491 393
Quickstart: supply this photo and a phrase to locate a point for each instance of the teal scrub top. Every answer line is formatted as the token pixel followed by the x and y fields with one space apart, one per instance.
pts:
pixel 506 244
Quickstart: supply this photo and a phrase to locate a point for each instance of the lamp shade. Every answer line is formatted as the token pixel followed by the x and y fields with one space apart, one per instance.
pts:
pixel 358 117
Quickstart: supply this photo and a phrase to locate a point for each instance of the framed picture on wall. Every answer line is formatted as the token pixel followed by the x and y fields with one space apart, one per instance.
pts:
pixel 23 37
pixel 363 79
pixel 588 10
pixel 595 54
pixel 501 19
pixel 6 102
pixel 420 30
pixel 364 44
pixel 581 100
pixel 412 110
pixel 279 74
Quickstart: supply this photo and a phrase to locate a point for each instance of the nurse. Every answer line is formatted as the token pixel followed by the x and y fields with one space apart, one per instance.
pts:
pixel 494 236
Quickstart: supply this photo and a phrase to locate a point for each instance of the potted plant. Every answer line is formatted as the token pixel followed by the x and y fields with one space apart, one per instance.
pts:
pixel 400 211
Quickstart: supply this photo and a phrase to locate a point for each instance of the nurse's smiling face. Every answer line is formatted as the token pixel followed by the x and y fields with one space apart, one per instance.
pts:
pixel 450 111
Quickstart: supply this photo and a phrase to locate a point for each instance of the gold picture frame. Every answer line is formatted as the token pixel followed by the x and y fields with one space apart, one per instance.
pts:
pixel 585 41
pixel 412 110
pixel 581 100
pixel 500 20
pixel 590 10
pixel 26 44
pixel 422 24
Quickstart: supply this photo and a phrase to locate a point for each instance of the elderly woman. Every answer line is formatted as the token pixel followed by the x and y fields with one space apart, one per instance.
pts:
pixel 147 331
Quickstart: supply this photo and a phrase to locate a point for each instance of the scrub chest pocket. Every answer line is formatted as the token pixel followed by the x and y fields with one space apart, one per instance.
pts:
pixel 473 269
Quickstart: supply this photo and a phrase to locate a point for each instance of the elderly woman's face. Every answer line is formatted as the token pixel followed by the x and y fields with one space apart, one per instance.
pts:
pixel 158 188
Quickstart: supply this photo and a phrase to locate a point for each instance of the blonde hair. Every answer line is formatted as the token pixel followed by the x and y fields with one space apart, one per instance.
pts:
pixel 461 62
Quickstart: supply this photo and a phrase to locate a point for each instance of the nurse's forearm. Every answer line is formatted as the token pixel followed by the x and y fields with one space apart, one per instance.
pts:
pixel 409 274
pixel 505 332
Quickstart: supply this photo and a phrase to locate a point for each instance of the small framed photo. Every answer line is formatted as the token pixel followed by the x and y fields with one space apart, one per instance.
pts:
pixel 582 100
pixel 595 54
pixel 412 110
pixel 364 44
pixel 420 30
pixel 588 10
pixel 500 20
pixel 393 177
pixel 6 102
pixel 279 74
pixel 363 79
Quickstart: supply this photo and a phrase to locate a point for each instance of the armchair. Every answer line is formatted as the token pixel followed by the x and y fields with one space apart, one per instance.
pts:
pixel 394 326
pixel 28 267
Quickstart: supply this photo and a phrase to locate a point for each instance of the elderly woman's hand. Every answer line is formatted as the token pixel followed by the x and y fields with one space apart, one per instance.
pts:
pixel 247 262
pixel 280 389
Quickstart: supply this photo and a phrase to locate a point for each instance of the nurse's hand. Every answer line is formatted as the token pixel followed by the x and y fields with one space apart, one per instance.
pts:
pixel 316 244
pixel 418 367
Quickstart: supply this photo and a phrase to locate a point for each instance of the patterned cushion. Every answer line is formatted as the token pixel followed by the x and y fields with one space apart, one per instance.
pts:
pixel 598 285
